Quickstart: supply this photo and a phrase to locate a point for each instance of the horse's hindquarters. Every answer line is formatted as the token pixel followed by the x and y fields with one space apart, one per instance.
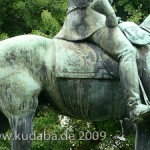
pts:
pixel 92 99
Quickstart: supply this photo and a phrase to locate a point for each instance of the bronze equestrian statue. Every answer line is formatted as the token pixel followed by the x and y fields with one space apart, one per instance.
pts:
pixel 77 78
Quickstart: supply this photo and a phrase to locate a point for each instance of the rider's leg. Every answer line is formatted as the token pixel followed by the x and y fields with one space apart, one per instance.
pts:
pixel 114 43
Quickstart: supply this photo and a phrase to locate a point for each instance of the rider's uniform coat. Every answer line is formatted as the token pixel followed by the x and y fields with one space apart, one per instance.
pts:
pixel 80 24
pixel 81 20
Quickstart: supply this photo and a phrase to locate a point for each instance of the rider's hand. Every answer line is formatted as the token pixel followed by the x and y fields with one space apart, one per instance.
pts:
pixel 111 21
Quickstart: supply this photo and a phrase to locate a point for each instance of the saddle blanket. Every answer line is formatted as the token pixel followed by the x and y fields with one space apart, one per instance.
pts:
pixel 83 60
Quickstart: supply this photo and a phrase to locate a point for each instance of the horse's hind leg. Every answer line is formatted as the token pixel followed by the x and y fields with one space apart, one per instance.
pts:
pixel 21 131
pixel 19 105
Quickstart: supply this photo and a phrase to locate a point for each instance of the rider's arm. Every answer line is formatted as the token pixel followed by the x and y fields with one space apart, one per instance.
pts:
pixel 104 7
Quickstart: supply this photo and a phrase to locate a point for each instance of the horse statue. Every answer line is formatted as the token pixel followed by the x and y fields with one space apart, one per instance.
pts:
pixel 76 79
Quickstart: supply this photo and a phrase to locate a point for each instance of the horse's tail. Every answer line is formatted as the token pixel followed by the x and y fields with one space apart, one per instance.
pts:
pixel 146 24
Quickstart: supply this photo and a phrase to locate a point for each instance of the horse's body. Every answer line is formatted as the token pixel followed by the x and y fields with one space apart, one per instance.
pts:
pixel 77 79
pixel 34 66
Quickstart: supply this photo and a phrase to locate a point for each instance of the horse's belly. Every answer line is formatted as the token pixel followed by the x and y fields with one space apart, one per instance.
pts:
pixel 92 99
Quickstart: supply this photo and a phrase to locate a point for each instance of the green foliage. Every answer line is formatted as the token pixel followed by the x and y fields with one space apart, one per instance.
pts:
pixel 49 23
pixel 37 16
pixel 5 143
pixel 3 36
pixel 132 10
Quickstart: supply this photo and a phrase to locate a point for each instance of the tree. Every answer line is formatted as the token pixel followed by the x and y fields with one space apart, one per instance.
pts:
pixel 32 16
pixel 132 10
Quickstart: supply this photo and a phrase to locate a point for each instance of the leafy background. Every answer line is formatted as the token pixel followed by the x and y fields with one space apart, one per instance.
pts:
pixel 45 18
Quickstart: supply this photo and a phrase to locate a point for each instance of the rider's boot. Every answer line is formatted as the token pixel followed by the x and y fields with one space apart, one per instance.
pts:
pixel 130 83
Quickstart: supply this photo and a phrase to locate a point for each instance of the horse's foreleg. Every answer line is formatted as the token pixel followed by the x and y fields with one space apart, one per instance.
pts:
pixel 21 123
